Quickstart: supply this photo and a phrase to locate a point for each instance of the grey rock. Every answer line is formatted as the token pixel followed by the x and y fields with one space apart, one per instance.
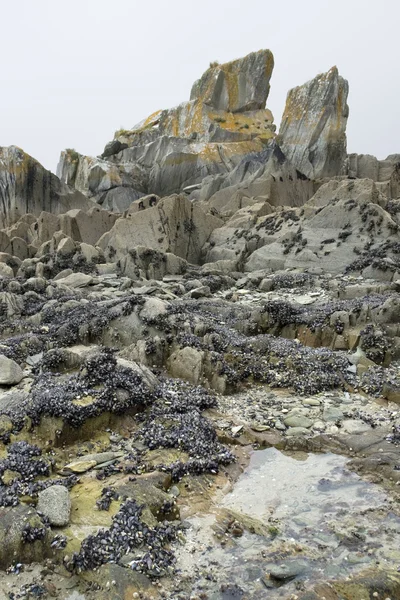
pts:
pixel 174 226
pixel 113 147
pixel 66 247
pixel 312 133
pixel 55 504
pixel 187 364
pixel 10 372
pixel 296 431
pixel 88 252
pixel 331 413
pixel 161 154
pixel 6 271
pixel 288 570
pixel 27 187
pixel 75 280
pixel 298 421
pixel 200 292
pixel 63 274
pixel 237 86
pixel 12 548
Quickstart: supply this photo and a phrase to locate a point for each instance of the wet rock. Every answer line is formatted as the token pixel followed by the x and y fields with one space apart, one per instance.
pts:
pixel 373 583
pixel 13 549
pixel 391 392
pixel 286 571
pixel 55 504
pixel 114 582
pixel 354 426
pixel 10 372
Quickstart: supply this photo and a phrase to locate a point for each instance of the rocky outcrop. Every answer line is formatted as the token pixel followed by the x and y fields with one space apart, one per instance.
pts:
pixel 237 86
pixel 255 188
pixel 112 186
pixel 386 173
pixel 312 134
pixel 26 187
pixel 175 226
pixel 24 238
pixel 347 224
pixel 224 121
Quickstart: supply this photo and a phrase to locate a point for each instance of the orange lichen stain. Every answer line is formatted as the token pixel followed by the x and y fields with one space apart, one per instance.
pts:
pixel 185 119
pixel 238 148
pixel 210 153
pixel 152 120
pixel 258 122
pixel 230 73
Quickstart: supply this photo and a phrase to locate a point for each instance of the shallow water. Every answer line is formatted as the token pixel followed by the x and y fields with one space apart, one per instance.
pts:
pixel 330 523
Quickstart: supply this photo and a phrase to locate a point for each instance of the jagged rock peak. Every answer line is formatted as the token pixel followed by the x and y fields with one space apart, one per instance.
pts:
pixel 27 187
pixel 313 128
pixel 237 86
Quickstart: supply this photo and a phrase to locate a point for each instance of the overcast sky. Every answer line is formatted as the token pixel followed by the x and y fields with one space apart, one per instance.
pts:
pixel 73 72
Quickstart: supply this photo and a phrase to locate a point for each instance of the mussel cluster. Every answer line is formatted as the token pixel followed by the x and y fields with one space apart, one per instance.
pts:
pixel 128 534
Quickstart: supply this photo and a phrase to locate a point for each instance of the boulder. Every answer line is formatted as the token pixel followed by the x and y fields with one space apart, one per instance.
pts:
pixel 10 372
pixel 55 504
pixel 187 363
pixel 89 252
pixel 66 247
pixel 5 270
pixel 152 264
pixel 13 549
pixel 313 128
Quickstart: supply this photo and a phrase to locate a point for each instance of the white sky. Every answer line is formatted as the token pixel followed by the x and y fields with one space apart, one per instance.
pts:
pixel 73 72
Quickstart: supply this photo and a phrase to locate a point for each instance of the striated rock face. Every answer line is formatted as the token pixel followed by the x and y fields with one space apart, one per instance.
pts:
pixel 175 225
pixel 112 186
pixel 27 187
pixel 312 133
pixel 237 86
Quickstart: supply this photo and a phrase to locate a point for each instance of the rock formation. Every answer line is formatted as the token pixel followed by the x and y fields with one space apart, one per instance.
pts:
pixel 312 134
pixel 238 86
pixel 224 121
pixel 26 187
pixel 175 225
